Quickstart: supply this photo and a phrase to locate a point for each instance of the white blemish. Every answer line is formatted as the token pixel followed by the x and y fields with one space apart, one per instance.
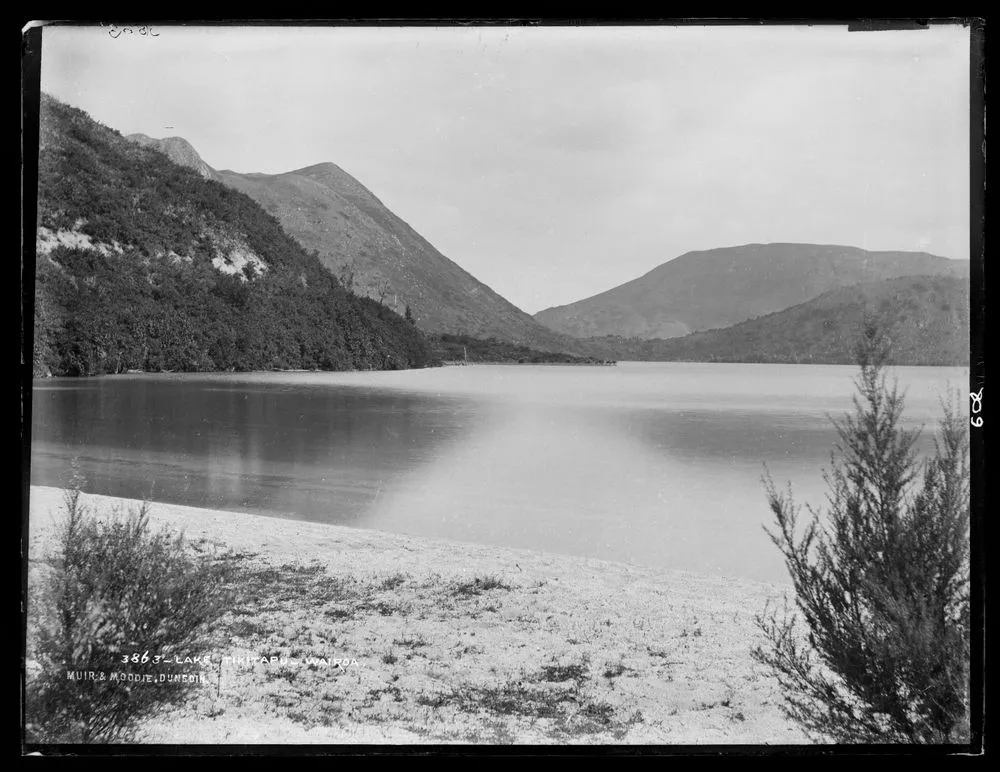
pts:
pixel 48 240
pixel 236 260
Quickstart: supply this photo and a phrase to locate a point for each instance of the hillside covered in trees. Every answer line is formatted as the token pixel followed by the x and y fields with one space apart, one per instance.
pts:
pixel 142 264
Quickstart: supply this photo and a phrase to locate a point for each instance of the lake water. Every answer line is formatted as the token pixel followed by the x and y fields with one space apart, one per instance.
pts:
pixel 652 463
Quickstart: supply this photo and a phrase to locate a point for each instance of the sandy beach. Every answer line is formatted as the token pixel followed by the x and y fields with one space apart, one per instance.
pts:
pixel 355 636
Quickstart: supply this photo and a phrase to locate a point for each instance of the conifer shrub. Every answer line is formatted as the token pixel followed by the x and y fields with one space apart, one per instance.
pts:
pixel 881 578
pixel 120 612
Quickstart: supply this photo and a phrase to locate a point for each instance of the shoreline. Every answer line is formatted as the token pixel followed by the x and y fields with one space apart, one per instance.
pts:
pixel 459 363
pixel 452 642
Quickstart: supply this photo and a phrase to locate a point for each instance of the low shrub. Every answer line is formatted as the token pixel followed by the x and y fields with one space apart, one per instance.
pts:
pixel 116 598
pixel 481 584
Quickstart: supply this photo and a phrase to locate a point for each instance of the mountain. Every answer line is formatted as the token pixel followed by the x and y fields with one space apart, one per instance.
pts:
pixel 927 318
pixel 178 150
pixel 374 252
pixel 720 287
pixel 145 264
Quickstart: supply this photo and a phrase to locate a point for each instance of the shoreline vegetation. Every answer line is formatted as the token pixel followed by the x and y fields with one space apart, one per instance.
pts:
pixel 348 636
pixel 461 363
pixel 470 351
pixel 466 349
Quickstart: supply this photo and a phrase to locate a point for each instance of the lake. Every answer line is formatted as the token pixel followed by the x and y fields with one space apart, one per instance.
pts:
pixel 657 464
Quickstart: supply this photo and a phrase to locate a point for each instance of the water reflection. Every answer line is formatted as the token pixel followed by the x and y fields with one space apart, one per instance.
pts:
pixel 658 464
pixel 311 453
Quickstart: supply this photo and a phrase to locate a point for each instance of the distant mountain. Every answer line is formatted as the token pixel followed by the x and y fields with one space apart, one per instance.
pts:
pixel 927 318
pixel 374 252
pixel 144 264
pixel 720 287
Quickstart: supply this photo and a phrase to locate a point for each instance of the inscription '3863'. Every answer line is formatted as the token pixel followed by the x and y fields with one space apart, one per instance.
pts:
pixel 117 31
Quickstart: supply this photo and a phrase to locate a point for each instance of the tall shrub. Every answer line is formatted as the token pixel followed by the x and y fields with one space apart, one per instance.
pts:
pixel 881 578
pixel 115 597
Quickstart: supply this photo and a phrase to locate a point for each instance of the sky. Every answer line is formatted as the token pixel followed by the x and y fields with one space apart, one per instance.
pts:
pixel 553 163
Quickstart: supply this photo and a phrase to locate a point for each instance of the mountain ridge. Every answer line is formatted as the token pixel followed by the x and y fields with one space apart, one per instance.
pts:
pixel 926 316
pixel 376 253
pixel 712 289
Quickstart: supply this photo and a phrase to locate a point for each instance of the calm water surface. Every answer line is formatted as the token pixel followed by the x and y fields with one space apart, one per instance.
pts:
pixel 652 463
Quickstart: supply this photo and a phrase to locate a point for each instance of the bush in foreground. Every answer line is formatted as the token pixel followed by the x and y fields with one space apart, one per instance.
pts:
pixel 882 582
pixel 115 589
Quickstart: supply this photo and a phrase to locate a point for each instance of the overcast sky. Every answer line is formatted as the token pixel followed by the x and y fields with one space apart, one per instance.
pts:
pixel 554 163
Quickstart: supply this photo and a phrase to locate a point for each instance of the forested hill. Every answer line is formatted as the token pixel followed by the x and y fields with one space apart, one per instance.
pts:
pixel 927 318
pixel 144 264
